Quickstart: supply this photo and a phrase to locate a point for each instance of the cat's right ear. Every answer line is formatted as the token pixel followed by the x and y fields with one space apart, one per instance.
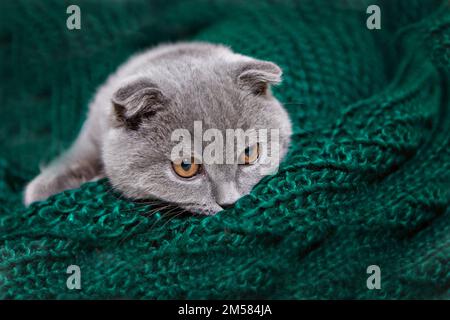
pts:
pixel 135 100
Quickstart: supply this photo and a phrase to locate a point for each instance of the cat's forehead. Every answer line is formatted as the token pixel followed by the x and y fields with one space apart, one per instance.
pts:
pixel 196 120
pixel 221 110
pixel 162 132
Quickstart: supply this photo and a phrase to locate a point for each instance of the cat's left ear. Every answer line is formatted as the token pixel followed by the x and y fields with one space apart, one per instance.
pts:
pixel 258 75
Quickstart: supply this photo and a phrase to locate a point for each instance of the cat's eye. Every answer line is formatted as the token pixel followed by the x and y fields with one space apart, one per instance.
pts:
pixel 250 154
pixel 186 168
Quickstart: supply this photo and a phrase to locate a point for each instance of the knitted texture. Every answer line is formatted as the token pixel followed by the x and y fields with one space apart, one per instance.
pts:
pixel 366 181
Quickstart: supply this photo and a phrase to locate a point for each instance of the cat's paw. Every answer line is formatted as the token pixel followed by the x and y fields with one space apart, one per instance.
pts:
pixel 49 183
pixel 53 181
pixel 40 188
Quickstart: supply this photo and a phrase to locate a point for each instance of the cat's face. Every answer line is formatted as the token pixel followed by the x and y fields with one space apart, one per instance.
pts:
pixel 138 151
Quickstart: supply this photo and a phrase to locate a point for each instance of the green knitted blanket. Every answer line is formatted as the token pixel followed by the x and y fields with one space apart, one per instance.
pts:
pixel 366 181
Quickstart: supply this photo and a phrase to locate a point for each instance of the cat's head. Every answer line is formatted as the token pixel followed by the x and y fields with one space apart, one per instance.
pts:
pixel 217 94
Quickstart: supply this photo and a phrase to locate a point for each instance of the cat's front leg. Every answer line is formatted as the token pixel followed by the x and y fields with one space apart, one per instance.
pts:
pixel 81 163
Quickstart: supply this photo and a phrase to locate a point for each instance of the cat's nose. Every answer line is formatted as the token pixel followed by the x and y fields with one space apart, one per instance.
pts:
pixel 228 201
pixel 226 195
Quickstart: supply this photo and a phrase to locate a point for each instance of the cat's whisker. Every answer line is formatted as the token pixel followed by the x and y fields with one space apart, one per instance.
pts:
pixel 172 214
pixel 147 215
pixel 174 217
pixel 159 208
pixel 140 204
pixel 164 215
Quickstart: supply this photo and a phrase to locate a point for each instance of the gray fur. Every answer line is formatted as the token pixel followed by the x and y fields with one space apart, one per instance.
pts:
pixel 127 133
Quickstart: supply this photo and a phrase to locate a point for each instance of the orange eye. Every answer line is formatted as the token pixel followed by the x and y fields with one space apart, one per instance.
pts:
pixel 250 154
pixel 186 168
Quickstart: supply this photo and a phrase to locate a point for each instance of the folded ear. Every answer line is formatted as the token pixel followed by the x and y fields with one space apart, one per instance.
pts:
pixel 134 100
pixel 257 75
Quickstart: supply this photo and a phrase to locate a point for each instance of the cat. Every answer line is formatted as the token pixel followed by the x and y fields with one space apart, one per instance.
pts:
pixel 127 134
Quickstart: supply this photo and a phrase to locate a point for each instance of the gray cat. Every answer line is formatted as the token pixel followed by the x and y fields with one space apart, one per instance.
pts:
pixel 127 135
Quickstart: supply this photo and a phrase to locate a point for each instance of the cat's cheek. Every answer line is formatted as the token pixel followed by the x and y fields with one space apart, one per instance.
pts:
pixel 193 194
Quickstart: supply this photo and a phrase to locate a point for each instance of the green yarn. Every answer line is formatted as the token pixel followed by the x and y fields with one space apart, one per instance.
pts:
pixel 366 181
